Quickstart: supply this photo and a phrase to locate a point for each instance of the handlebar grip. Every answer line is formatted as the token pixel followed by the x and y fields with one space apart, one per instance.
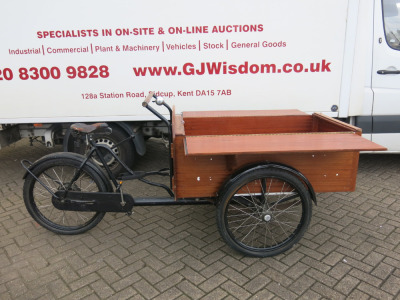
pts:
pixel 147 100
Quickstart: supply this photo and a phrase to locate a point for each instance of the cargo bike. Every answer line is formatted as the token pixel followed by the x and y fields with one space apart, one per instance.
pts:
pixel 261 169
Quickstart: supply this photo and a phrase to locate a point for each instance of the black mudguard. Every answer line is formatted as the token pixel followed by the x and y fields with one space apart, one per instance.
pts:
pixel 73 156
pixel 264 165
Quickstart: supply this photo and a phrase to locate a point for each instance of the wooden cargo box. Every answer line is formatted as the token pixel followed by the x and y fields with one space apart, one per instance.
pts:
pixel 210 146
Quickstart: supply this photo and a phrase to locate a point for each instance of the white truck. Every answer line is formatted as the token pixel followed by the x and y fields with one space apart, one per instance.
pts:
pixel 89 61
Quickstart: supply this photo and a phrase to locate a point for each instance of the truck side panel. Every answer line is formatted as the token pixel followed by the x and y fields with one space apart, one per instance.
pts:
pixel 92 60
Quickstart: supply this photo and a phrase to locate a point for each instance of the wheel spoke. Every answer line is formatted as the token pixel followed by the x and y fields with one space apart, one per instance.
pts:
pixel 59 179
pixel 251 230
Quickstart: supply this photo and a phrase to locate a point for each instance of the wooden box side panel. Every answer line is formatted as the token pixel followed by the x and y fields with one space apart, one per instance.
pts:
pixel 322 123
pixel 203 176
pixel 178 127
pixel 242 113
pixel 247 125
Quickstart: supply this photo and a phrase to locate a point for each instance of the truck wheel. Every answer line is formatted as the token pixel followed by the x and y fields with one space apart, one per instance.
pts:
pixel 125 151
pixel 263 212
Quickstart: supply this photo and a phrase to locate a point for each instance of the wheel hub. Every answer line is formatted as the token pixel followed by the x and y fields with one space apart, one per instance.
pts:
pixel 267 218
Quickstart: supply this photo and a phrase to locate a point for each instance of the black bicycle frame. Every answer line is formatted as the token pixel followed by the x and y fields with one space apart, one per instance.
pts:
pixel 132 175
pixel 117 183
pixel 98 150
pixel 169 126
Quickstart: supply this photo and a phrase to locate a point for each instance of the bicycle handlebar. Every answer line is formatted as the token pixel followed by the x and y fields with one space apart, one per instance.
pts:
pixel 160 101
pixel 147 100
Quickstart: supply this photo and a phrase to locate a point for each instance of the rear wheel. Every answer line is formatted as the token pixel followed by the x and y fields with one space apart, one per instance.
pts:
pixel 264 212
pixel 125 151
pixel 56 174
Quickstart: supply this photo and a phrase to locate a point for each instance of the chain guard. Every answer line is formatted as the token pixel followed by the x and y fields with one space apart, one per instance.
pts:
pixel 95 201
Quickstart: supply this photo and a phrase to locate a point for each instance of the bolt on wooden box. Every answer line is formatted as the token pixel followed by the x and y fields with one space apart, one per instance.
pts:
pixel 208 147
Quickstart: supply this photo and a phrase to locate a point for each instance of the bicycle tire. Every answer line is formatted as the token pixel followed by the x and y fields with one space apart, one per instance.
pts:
pixel 264 212
pixel 55 173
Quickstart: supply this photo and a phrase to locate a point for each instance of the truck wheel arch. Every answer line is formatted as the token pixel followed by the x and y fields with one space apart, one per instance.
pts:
pixel 137 145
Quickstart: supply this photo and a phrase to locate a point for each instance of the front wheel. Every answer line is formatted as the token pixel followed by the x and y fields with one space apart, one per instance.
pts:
pixel 264 212
pixel 56 174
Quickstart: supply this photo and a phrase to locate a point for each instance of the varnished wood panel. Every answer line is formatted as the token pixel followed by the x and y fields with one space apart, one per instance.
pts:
pixel 203 176
pixel 322 123
pixel 246 122
pixel 177 125
pixel 241 113
pixel 219 144
pixel 277 143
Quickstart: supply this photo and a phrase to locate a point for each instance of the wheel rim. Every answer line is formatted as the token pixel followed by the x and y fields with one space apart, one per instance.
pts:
pixel 57 178
pixel 264 214
pixel 111 161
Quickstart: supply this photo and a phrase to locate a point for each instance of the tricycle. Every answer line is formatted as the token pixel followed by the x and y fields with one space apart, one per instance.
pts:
pixel 261 169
